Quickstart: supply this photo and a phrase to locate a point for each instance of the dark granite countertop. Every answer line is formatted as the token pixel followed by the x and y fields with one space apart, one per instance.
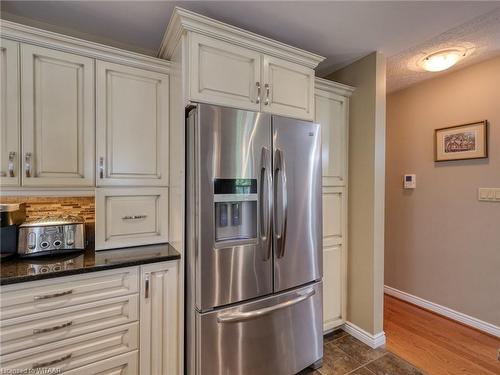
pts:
pixel 18 270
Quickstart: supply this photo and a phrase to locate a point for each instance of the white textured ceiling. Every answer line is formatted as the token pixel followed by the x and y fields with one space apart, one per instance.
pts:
pixel 481 34
pixel 340 31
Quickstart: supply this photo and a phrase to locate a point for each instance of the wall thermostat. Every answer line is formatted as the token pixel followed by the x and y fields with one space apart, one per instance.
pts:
pixel 410 181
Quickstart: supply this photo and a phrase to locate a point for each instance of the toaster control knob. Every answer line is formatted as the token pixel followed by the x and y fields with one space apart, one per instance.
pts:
pixel 57 243
pixel 44 244
pixel 31 240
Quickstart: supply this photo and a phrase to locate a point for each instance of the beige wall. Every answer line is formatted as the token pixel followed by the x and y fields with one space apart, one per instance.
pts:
pixel 366 190
pixel 442 244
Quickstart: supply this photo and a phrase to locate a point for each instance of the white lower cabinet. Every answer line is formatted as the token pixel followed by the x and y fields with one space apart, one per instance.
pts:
pixel 124 364
pixel 85 332
pixel 332 283
pixel 334 257
pixel 78 351
pixel 159 330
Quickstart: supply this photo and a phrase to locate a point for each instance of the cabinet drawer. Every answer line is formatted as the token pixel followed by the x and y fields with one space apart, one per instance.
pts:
pixel 48 295
pixel 125 364
pixel 37 329
pixel 78 351
pixel 131 217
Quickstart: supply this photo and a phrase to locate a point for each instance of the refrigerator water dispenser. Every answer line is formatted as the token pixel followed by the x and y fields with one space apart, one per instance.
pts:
pixel 235 209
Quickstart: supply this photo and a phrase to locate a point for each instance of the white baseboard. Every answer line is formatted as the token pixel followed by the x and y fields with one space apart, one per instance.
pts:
pixel 445 311
pixel 373 341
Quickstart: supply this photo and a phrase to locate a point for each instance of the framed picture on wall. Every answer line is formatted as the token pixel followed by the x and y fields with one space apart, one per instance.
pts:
pixel 462 142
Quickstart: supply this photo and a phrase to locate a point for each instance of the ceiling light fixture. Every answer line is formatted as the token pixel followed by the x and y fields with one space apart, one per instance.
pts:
pixel 442 60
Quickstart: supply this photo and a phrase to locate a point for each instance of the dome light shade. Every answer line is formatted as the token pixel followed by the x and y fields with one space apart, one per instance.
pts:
pixel 441 60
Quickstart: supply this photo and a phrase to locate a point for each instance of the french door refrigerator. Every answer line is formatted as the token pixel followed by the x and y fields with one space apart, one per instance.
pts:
pixel 253 241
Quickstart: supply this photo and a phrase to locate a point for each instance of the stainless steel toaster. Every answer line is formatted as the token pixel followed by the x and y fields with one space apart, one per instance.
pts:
pixel 52 234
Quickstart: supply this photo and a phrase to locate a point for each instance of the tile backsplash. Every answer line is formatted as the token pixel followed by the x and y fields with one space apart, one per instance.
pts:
pixel 39 207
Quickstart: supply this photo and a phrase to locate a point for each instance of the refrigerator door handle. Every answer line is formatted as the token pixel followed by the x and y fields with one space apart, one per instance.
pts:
pixel 280 169
pixel 244 316
pixel 265 201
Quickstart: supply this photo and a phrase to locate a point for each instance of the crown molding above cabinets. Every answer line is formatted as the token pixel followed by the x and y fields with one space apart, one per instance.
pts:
pixel 333 87
pixel 183 21
pixel 43 38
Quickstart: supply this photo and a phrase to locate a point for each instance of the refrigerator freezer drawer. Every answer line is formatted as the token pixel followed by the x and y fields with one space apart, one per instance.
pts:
pixel 279 335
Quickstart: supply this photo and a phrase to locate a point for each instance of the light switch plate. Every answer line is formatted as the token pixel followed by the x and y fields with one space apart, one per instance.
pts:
pixel 489 194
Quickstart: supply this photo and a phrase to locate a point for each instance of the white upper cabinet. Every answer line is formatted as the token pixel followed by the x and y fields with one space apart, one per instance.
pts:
pixel 223 73
pixel 10 127
pixel 225 65
pixel 230 75
pixel 132 126
pixel 288 89
pixel 57 95
pixel 332 113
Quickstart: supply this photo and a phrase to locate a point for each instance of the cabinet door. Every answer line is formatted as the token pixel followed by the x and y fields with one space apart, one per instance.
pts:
pixel 159 335
pixel 332 287
pixel 132 126
pixel 331 113
pixel 334 258
pixel 9 114
pixel 224 74
pixel 58 137
pixel 288 89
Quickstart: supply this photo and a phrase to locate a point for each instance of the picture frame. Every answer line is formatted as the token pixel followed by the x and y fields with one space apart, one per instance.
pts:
pixel 461 142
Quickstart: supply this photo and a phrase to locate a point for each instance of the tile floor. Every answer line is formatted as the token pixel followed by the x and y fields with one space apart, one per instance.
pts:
pixel 343 354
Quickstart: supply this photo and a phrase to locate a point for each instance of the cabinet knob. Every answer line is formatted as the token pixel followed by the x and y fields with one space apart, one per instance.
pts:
pixel 267 86
pixel 12 155
pixel 27 164
pixel 257 100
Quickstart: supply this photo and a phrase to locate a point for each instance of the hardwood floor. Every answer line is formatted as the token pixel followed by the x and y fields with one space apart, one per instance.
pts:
pixel 437 345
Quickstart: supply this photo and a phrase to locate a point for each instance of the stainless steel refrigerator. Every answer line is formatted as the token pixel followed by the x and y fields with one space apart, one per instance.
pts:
pixel 254 243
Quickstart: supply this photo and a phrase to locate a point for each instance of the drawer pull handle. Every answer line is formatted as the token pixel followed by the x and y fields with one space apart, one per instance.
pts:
pixel 12 155
pixel 47 296
pixel 257 100
pixel 50 363
pixel 146 286
pixel 134 217
pixel 101 167
pixel 55 328
pixel 268 88
pixel 27 164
